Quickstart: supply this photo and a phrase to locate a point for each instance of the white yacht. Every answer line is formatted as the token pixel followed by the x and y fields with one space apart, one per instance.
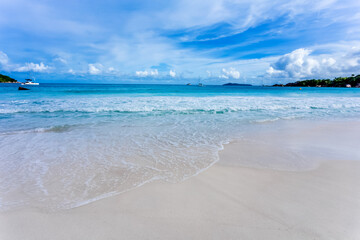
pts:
pixel 29 81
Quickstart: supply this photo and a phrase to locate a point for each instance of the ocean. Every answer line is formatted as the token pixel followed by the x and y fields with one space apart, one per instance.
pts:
pixel 65 145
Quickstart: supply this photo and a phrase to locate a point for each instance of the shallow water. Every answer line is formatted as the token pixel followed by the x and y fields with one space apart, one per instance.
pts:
pixel 64 145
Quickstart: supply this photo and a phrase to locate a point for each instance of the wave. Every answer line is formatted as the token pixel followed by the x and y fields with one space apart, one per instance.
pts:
pixel 55 129
pixel 179 105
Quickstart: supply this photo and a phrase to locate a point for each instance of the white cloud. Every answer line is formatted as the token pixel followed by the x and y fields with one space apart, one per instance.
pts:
pixel 95 69
pixel 4 59
pixel 154 72
pixel 4 62
pixel 244 14
pixel 71 71
pixel 61 60
pixel 301 64
pixel 141 73
pixel 146 73
pixel 33 67
pixel 272 71
pixel 230 73
pixel 172 73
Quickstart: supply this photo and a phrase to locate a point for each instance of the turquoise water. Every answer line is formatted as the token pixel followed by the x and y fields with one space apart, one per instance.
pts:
pixel 64 145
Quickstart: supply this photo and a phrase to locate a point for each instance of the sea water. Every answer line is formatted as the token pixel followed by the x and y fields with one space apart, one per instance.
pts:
pixel 65 145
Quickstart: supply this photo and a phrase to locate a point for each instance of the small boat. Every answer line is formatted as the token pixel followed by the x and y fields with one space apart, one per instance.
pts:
pixel 29 81
pixel 200 85
pixel 22 88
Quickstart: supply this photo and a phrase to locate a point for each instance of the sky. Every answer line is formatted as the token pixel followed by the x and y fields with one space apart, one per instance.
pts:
pixel 175 42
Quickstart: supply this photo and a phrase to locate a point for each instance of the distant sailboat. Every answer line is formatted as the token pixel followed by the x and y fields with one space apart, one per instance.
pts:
pixel 199 83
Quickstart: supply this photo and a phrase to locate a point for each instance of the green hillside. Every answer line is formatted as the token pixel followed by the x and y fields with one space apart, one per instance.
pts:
pixel 7 79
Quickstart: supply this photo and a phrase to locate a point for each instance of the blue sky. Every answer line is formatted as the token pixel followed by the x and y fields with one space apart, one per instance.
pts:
pixel 214 41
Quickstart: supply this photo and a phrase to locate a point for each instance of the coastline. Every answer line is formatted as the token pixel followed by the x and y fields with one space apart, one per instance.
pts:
pixel 233 199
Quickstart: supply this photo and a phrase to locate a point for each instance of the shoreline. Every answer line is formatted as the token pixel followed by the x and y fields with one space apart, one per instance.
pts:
pixel 233 199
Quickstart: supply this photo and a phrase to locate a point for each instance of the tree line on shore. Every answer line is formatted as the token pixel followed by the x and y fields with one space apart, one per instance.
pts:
pixel 353 81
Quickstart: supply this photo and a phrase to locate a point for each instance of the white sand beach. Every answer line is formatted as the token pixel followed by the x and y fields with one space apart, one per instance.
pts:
pixel 234 199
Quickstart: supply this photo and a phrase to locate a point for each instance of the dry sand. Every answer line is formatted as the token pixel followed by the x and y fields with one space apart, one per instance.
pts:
pixel 227 201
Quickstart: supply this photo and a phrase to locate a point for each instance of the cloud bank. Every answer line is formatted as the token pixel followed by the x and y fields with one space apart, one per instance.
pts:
pixel 301 63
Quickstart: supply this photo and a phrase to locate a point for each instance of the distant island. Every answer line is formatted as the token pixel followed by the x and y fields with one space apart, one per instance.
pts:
pixel 237 84
pixel 353 81
pixel 7 79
